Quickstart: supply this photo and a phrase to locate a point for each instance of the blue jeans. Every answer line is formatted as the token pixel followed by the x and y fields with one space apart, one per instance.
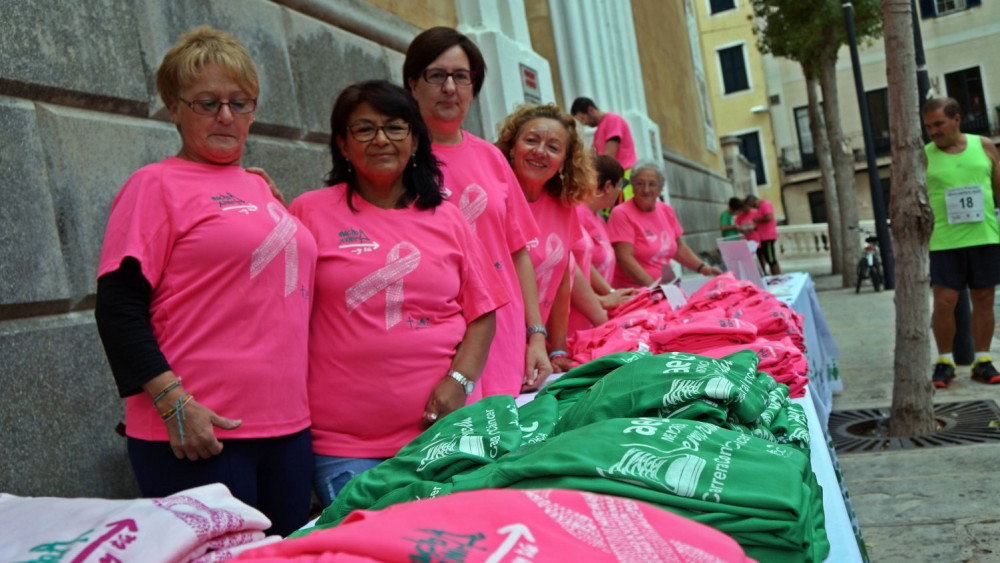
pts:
pixel 331 473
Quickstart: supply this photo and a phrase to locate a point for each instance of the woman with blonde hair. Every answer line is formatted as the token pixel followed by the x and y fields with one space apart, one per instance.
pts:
pixel 555 173
pixel 205 277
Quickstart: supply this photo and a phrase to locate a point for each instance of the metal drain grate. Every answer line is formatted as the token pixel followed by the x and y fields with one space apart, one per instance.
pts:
pixel 866 430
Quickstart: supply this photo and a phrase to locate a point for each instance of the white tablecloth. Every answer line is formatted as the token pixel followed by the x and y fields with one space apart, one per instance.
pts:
pixel 797 291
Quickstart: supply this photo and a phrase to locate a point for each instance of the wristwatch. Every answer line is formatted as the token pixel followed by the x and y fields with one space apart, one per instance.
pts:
pixel 535 329
pixel 469 386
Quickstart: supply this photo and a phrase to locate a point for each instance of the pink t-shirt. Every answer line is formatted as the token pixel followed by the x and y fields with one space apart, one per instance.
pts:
pixel 583 253
pixel 602 254
pixel 768 230
pixel 395 291
pixel 478 179
pixel 232 275
pixel 653 236
pixel 746 218
pixel 551 251
pixel 613 125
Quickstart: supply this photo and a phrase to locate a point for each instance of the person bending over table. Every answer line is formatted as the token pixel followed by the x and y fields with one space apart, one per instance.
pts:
pixel 405 296
pixel 555 174
pixel 646 234
pixel 203 300
pixel 594 253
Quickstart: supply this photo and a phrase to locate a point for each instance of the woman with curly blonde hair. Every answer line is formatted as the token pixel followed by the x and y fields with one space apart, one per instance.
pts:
pixel 555 173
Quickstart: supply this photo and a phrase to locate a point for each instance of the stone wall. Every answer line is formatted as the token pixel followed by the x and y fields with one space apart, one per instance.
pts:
pixel 79 113
pixel 698 195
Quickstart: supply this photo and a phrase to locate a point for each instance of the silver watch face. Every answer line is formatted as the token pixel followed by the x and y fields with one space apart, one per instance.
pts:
pixel 469 386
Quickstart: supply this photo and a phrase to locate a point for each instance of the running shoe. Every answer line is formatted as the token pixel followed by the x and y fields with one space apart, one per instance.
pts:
pixel 944 372
pixel 984 372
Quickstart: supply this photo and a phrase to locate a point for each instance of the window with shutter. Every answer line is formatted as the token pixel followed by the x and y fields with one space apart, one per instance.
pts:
pixel 734 70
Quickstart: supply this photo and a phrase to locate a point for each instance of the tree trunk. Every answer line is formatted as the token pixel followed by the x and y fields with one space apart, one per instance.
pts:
pixel 912 222
pixel 821 147
pixel 843 164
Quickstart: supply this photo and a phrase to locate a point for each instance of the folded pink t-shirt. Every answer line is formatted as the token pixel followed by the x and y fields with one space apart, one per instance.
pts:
pixel 493 525
pixel 232 275
pixel 395 291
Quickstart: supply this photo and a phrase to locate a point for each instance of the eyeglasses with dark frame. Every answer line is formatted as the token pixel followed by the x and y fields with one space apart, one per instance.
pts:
pixel 240 106
pixel 461 77
pixel 364 131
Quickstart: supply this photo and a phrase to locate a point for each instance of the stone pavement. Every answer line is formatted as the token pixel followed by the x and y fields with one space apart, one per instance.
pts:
pixel 939 504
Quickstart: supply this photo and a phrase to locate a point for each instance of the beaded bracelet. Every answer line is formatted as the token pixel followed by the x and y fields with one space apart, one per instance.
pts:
pixel 178 411
pixel 166 390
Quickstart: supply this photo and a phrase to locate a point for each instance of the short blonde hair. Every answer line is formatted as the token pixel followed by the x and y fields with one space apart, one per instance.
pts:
pixel 183 63
pixel 577 183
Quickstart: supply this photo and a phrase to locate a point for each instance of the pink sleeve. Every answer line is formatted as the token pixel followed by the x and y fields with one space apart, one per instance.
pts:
pixel 615 127
pixel 481 290
pixel 765 207
pixel 139 227
pixel 521 225
pixel 620 228
pixel 672 220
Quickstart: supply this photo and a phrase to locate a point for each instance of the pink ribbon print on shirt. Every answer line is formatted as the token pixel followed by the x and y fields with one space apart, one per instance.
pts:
pixel 666 245
pixel 554 253
pixel 472 203
pixel 280 239
pixel 388 278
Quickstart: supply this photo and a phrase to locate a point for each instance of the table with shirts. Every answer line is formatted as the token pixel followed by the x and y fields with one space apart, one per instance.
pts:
pixel 796 290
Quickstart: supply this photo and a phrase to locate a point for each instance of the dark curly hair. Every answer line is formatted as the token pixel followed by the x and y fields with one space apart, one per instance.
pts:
pixel 423 181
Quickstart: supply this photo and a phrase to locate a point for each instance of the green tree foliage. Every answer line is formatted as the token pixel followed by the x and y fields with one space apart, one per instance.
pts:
pixel 807 31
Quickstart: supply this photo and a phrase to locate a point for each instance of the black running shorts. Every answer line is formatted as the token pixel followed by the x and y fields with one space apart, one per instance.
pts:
pixel 973 266
pixel 766 252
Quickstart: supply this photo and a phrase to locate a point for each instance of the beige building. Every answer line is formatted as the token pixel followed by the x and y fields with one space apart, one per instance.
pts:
pixel 738 89
pixel 960 38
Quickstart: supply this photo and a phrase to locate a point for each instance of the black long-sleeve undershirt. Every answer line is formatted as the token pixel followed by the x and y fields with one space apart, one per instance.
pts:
pixel 124 323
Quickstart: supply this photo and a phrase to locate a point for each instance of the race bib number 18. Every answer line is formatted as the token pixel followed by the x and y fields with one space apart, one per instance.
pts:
pixel 964 205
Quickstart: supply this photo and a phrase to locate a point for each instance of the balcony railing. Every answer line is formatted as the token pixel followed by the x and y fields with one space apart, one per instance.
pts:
pixel 810 240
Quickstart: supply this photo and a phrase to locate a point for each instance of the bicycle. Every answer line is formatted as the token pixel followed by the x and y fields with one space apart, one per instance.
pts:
pixel 870 264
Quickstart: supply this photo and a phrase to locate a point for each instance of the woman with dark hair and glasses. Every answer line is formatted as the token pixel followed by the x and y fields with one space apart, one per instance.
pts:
pixel 203 300
pixel 444 71
pixel 404 298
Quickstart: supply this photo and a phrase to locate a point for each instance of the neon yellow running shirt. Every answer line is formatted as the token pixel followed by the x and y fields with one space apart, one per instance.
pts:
pixel 961 196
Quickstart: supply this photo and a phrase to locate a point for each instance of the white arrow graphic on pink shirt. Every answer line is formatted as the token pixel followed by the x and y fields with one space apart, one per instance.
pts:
pixel 553 256
pixel 281 238
pixel 388 278
pixel 473 203
pixel 513 534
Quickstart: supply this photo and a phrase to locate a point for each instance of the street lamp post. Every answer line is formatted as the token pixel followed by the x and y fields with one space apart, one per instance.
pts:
pixel 875 185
